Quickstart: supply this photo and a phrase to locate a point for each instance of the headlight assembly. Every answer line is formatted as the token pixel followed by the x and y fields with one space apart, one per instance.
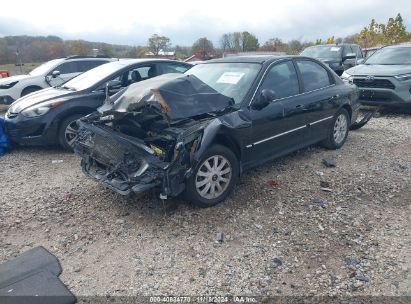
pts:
pixel 8 85
pixel 42 108
pixel 403 77
pixel 347 77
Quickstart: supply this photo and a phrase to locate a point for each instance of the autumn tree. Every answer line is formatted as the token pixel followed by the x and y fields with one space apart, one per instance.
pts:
pixel 248 42
pixel 274 45
pixel 330 40
pixel 239 42
pixel 294 47
pixel 370 35
pixel 394 32
pixel 158 43
pixel 77 47
pixel 204 47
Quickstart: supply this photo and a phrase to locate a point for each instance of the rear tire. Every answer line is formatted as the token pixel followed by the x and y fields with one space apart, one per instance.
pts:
pixel 213 178
pixel 338 130
pixel 67 131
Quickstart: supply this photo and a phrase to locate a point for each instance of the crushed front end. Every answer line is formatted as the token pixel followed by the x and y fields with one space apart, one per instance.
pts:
pixel 127 159
pixel 147 136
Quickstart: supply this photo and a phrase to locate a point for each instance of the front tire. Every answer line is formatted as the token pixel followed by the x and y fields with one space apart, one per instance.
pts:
pixel 338 131
pixel 213 178
pixel 67 131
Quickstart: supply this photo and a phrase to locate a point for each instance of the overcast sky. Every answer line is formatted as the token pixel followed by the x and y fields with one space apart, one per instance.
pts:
pixel 132 22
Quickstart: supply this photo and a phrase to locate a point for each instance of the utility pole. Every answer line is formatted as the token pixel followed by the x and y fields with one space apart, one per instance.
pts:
pixel 18 57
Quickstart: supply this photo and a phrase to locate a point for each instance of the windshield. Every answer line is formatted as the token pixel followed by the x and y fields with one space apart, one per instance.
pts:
pixel 44 68
pixel 230 79
pixel 93 76
pixel 322 52
pixel 399 55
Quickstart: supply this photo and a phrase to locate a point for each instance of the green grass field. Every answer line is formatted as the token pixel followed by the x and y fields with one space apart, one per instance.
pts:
pixel 15 70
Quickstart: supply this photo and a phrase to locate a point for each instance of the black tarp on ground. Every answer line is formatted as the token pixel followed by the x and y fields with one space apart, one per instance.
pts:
pixel 33 278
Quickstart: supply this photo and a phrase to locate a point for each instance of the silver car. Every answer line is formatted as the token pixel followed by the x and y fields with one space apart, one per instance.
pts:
pixel 385 77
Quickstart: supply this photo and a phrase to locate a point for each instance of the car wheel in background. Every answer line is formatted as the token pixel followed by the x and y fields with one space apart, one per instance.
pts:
pixel 67 131
pixel 213 178
pixel 338 130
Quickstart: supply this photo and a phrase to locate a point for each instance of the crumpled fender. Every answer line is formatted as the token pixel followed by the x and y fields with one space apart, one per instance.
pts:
pixel 222 125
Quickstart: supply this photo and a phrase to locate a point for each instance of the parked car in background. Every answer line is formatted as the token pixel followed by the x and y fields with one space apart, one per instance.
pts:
pixel 49 74
pixel 48 116
pixel 385 77
pixel 338 56
pixel 197 133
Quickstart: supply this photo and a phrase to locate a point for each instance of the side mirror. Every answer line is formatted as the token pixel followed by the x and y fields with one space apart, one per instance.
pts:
pixel 111 85
pixel 265 97
pixel 350 56
pixel 360 61
pixel 55 74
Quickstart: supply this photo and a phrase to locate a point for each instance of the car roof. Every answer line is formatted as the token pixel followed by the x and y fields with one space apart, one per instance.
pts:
pixel 249 59
pixel 124 62
pixel 398 45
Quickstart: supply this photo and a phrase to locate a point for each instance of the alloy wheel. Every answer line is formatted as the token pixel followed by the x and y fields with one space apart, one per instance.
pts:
pixel 340 128
pixel 70 133
pixel 213 177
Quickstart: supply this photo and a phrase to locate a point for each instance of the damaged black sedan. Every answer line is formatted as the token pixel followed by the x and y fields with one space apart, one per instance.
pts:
pixel 195 134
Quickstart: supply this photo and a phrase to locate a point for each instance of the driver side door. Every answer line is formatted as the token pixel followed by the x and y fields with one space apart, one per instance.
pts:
pixel 278 128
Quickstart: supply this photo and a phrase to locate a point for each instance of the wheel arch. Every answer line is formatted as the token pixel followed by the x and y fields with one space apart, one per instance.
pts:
pixel 74 111
pixel 348 108
pixel 35 87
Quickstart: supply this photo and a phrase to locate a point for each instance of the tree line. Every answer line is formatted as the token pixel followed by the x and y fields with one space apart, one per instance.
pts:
pixel 40 48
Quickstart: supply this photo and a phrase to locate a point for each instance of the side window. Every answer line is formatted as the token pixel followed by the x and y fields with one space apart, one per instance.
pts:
pixel 282 79
pixel 67 68
pixel 173 68
pixel 314 75
pixel 86 65
pixel 358 51
pixel 141 73
pixel 347 50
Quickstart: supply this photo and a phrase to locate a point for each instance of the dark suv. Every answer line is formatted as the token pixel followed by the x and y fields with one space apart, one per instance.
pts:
pixel 338 56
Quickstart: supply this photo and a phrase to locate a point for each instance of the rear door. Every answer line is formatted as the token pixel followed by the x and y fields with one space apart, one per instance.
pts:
pixel 320 98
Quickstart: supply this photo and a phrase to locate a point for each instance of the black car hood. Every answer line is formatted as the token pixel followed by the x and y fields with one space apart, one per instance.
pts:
pixel 176 96
pixel 38 97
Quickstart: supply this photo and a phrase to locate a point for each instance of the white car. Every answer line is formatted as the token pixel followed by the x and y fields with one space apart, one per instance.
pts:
pixel 49 74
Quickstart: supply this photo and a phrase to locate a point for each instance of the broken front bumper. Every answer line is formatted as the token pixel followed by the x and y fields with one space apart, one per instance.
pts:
pixel 124 164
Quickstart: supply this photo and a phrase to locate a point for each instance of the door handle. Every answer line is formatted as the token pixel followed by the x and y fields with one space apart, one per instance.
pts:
pixel 301 107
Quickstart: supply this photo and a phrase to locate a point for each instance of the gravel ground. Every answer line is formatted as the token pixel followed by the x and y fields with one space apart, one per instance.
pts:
pixel 291 227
